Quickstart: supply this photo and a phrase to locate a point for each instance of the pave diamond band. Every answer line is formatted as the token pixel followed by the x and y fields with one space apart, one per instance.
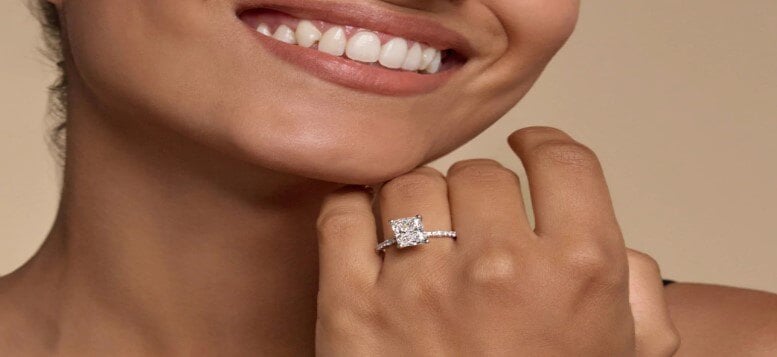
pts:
pixel 409 232
pixel 433 234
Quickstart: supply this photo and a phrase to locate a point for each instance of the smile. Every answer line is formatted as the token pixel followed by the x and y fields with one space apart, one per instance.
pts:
pixel 359 47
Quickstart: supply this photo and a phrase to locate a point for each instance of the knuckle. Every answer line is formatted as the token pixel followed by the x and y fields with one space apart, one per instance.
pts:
pixel 476 161
pixel 414 183
pixel 483 174
pixel 429 171
pixel 565 153
pixel 494 270
pixel 338 221
pixel 593 262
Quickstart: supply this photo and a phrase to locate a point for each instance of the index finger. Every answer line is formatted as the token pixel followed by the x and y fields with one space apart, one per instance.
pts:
pixel 566 182
pixel 347 236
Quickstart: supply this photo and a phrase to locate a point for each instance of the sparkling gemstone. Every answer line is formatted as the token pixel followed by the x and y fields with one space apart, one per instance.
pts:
pixel 408 231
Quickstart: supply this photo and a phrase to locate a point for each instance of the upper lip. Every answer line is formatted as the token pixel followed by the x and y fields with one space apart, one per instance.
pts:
pixel 408 26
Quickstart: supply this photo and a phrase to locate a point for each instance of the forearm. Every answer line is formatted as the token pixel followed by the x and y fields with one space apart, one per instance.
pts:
pixel 723 321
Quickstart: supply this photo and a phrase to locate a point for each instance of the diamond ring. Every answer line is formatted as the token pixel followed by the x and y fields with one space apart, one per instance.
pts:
pixel 409 232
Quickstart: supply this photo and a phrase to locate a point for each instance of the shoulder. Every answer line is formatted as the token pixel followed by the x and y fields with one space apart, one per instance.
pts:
pixel 723 321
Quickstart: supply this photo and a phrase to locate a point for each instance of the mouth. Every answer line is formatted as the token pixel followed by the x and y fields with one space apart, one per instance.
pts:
pixel 359 47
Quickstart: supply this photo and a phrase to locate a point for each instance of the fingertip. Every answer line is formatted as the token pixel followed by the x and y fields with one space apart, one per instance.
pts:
pixel 534 133
pixel 512 139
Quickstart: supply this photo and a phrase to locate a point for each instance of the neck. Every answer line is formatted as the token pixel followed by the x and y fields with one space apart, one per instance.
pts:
pixel 179 248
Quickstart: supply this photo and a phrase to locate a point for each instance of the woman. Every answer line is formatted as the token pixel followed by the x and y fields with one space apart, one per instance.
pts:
pixel 214 203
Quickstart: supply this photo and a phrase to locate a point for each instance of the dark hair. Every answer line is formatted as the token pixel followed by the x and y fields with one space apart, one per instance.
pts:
pixel 48 16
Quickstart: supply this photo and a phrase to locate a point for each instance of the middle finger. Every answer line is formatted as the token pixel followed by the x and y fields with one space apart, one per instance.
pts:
pixel 486 204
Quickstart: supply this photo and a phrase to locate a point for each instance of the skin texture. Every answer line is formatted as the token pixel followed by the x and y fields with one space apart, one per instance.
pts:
pixel 723 321
pixel 192 188
pixel 500 288
pixel 197 59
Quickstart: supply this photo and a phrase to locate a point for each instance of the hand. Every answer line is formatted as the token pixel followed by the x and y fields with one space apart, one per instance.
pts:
pixel 500 288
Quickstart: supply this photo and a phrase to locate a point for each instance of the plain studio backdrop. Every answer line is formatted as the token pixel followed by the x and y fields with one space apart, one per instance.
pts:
pixel 678 98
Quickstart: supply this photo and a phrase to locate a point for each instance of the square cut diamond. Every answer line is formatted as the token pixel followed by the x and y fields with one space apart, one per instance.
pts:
pixel 408 231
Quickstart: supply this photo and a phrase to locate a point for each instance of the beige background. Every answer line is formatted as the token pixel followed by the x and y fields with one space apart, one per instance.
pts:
pixel 677 97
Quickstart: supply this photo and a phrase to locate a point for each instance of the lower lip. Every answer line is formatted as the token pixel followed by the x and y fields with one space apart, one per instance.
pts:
pixel 352 74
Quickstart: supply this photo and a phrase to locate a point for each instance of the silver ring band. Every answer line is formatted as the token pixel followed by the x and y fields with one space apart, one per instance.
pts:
pixel 409 232
pixel 433 234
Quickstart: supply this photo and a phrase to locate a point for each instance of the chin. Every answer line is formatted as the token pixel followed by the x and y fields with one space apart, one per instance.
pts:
pixel 338 145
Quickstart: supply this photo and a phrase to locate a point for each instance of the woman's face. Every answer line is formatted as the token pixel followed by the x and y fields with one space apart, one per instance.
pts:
pixel 201 69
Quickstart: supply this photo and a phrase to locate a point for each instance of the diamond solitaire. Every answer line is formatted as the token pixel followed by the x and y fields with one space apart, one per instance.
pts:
pixel 409 231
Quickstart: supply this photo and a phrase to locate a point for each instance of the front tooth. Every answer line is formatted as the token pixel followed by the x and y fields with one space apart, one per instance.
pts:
pixel 264 29
pixel 285 34
pixel 363 46
pixel 333 41
pixel 307 34
pixel 426 57
pixel 393 53
pixel 434 66
pixel 413 59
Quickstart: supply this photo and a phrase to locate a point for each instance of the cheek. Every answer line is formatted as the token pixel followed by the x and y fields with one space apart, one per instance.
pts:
pixel 538 27
pixel 530 33
pixel 141 55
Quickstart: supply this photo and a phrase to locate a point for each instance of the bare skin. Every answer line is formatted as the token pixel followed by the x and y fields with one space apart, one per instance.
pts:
pixel 187 225
pixel 566 287
pixel 130 264
pixel 723 321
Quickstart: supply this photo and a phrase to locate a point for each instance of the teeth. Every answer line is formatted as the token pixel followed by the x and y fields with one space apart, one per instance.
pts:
pixel 333 41
pixel 307 34
pixel 413 59
pixel 434 66
pixel 393 53
pixel 285 34
pixel 426 57
pixel 264 29
pixel 363 46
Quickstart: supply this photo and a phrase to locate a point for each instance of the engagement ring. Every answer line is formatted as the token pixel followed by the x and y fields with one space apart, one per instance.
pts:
pixel 409 232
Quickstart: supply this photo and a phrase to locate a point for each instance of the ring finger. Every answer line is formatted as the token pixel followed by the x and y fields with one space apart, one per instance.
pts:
pixel 422 191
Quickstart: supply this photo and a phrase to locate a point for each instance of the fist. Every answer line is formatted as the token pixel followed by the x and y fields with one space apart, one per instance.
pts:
pixel 501 287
